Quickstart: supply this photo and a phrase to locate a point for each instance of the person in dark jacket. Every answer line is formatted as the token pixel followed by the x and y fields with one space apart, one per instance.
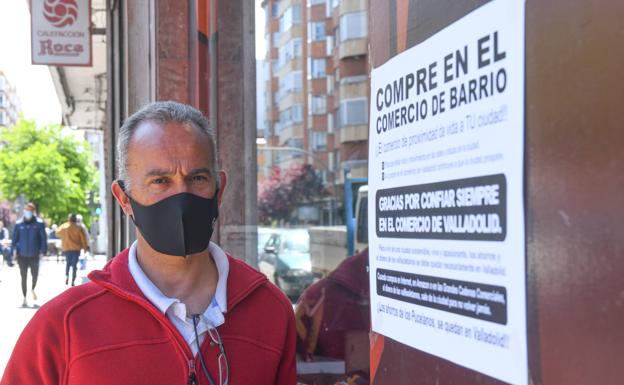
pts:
pixel 29 242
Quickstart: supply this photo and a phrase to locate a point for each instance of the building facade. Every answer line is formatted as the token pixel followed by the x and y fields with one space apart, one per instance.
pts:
pixel 9 102
pixel 317 83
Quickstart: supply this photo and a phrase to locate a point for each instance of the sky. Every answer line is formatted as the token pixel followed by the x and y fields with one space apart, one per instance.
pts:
pixel 33 82
pixel 260 43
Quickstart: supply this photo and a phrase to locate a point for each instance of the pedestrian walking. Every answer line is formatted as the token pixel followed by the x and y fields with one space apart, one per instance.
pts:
pixel 5 248
pixel 29 243
pixel 85 230
pixel 72 242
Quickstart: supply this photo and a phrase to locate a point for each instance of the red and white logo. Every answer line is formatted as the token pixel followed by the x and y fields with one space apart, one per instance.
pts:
pixel 60 12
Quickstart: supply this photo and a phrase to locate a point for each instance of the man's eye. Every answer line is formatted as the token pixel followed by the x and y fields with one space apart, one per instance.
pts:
pixel 199 178
pixel 159 181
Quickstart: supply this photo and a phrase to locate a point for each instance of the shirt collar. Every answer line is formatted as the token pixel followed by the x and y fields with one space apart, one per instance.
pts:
pixel 161 301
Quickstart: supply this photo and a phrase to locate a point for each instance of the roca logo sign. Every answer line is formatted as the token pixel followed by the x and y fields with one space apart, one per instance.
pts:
pixel 60 13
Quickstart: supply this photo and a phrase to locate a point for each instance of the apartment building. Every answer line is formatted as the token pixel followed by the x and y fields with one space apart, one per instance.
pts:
pixel 317 84
pixel 10 106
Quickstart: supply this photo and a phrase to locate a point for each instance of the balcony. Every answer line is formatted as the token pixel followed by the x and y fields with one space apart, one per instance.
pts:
pixel 294 130
pixel 292 32
pixel 353 133
pixel 353 89
pixel 347 6
pixel 290 66
pixel 289 99
pixel 353 47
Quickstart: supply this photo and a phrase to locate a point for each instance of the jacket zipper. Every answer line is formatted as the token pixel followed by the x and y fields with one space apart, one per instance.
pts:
pixel 192 380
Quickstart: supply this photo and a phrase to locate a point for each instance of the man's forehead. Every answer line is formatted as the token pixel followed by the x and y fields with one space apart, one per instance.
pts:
pixel 165 146
pixel 154 130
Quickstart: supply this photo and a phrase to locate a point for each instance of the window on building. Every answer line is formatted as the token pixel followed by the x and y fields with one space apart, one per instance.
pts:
pixel 290 83
pixel 275 8
pixel 316 30
pixel 353 25
pixel 290 51
pixel 353 111
pixel 330 123
pixel 267 39
pixel 318 104
pixel 330 84
pixel 335 3
pixel 2 100
pixel 289 116
pixel 275 39
pixel 266 70
pixel 329 45
pixel 291 16
pixel 3 119
pixel 295 143
pixel 315 2
pixel 318 141
pixel 316 68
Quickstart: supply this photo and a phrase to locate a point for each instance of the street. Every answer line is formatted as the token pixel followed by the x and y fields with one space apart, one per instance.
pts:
pixel 51 282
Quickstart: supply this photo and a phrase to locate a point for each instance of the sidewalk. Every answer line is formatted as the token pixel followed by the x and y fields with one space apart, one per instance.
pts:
pixel 51 282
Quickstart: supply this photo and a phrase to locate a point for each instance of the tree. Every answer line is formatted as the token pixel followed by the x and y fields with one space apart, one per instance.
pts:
pixel 283 192
pixel 49 166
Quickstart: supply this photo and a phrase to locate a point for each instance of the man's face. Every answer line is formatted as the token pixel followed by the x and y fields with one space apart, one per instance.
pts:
pixel 168 159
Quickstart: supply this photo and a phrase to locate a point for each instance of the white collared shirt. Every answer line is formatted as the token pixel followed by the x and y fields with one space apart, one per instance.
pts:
pixel 174 309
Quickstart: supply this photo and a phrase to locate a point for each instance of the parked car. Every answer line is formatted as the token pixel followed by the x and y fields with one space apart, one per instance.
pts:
pixel 264 233
pixel 286 261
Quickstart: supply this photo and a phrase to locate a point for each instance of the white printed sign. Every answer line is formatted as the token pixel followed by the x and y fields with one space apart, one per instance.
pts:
pixel 60 32
pixel 446 212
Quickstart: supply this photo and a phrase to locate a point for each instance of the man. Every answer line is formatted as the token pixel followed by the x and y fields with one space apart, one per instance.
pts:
pixel 29 242
pixel 173 308
pixel 72 241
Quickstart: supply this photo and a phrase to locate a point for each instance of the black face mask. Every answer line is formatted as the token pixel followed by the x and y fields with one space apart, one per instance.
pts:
pixel 181 224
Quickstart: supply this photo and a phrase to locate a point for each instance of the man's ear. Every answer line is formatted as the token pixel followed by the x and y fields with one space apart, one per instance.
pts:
pixel 121 198
pixel 222 182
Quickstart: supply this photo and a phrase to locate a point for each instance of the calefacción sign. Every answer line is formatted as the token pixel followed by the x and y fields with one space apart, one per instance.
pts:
pixel 60 32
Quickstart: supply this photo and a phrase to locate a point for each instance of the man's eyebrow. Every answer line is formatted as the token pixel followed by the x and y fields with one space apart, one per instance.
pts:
pixel 161 172
pixel 158 172
pixel 200 170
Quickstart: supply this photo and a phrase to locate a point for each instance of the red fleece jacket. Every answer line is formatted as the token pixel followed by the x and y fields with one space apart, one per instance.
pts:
pixel 107 332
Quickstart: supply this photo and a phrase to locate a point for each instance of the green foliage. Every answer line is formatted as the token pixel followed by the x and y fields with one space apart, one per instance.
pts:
pixel 50 166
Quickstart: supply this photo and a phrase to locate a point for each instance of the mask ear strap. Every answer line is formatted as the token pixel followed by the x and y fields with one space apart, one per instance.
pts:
pixel 123 188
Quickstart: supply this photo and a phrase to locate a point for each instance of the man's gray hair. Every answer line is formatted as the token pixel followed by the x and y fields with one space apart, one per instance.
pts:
pixel 161 112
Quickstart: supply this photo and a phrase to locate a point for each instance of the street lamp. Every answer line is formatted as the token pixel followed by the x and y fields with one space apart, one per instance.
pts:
pixel 262 141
